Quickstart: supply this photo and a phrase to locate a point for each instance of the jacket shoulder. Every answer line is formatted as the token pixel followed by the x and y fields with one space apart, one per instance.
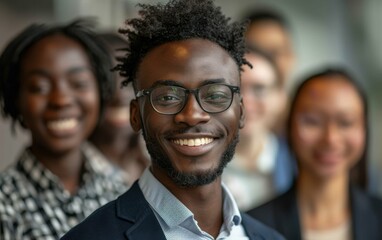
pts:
pixel 257 230
pixel 364 200
pixel 96 226
pixel 111 220
pixel 266 213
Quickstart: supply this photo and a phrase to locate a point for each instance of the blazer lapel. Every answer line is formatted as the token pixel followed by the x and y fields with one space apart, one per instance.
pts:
pixel 146 228
pixel 287 216
pixel 364 219
pixel 134 208
pixel 249 229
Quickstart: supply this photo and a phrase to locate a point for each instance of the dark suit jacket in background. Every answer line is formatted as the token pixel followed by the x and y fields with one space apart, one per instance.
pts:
pixel 282 215
pixel 130 217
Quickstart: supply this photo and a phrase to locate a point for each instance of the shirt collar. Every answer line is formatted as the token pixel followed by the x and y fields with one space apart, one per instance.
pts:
pixel 163 201
pixel 232 216
pixel 44 179
pixel 36 172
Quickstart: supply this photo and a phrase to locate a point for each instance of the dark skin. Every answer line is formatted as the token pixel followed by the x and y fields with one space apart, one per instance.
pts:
pixel 115 138
pixel 190 63
pixel 59 104
pixel 124 151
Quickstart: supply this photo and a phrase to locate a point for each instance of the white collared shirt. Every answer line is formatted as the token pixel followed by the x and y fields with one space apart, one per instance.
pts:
pixel 178 222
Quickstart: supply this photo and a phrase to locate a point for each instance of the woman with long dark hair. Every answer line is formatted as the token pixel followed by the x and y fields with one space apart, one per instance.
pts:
pixel 54 81
pixel 328 134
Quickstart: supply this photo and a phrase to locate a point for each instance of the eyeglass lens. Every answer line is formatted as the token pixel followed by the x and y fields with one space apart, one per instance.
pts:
pixel 212 98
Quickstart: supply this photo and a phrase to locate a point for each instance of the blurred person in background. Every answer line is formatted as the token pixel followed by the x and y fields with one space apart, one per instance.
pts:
pixel 328 133
pixel 114 136
pixel 262 166
pixel 270 31
pixel 54 81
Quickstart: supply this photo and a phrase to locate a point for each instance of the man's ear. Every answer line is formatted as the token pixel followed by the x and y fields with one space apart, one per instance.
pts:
pixel 242 114
pixel 135 116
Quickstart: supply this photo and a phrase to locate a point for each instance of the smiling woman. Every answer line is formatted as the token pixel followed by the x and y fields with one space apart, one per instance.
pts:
pixel 54 81
pixel 58 98
pixel 327 132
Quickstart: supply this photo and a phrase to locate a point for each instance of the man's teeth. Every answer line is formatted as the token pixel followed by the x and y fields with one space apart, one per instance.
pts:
pixel 195 142
pixel 64 124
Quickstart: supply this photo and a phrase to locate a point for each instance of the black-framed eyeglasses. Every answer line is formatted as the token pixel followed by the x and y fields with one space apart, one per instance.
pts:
pixel 212 98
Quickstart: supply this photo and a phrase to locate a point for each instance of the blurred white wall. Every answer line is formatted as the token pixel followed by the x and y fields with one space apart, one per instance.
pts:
pixel 110 13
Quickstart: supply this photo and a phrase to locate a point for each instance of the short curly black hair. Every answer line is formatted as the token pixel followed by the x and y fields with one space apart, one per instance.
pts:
pixel 179 20
pixel 78 30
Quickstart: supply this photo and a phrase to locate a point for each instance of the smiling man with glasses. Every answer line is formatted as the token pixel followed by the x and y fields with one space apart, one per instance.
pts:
pixel 184 60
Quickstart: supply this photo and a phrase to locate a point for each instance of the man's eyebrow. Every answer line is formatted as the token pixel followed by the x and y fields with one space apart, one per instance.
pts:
pixel 166 82
pixel 211 81
pixel 176 83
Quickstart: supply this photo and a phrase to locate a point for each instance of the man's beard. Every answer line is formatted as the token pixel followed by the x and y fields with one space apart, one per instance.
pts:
pixel 189 180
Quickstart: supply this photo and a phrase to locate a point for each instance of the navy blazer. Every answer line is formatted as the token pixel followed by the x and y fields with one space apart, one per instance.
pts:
pixel 130 217
pixel 282 215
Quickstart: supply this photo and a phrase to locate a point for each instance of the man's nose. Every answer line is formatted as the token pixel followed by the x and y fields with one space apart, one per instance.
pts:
pixel 192 113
